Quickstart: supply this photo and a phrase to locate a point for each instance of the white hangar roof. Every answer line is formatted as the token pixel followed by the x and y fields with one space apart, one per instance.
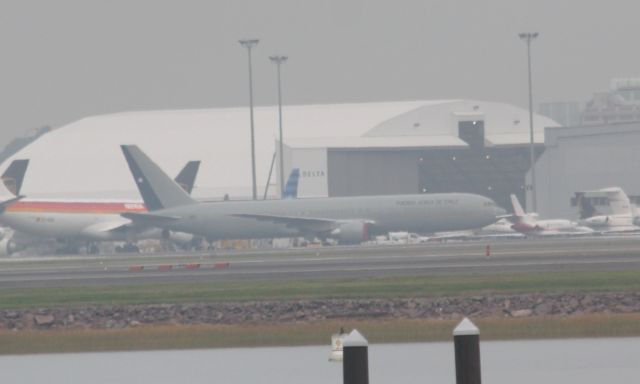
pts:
pixel 435 124
pixel 84 158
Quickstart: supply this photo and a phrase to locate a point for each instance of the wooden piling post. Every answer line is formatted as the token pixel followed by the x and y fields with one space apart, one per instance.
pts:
pixel 355 361
pixel 466 340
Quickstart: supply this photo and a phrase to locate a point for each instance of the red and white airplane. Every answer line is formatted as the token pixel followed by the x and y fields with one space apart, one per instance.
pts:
pixel 76 221
pixel 528 223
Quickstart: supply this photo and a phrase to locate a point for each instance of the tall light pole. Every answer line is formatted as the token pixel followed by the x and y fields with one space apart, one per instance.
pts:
pixel 250 43
pixel 279 60
pixel 528 37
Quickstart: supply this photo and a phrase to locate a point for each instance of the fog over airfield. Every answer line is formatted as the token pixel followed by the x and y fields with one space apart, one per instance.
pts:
pixel 68 59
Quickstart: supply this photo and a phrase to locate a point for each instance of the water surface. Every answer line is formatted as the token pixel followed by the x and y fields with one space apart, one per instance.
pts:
pixel 585 361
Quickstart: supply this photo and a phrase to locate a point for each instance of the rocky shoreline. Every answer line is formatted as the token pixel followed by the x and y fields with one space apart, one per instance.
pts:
pixel 295 311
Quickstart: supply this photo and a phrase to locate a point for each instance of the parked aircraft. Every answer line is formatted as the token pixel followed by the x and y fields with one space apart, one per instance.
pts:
pixel 624 217
pixel 346 219
pixel 78 221
pixel 528 223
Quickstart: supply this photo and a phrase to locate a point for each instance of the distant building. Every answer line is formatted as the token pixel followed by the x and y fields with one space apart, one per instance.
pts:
pixel 586 158
pixel 566 113
pixel 621 104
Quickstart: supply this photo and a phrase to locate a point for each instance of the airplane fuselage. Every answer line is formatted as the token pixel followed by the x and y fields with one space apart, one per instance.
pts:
pixel 423 213
pixel 71 219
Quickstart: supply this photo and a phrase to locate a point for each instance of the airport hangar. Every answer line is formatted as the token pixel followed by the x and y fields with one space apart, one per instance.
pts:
pixel 341 149
pixel 587 158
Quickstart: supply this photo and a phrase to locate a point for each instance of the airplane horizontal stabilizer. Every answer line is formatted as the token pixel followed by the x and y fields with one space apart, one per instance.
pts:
pixel 6 203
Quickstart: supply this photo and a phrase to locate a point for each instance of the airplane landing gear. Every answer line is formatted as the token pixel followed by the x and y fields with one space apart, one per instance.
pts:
pixel 92 249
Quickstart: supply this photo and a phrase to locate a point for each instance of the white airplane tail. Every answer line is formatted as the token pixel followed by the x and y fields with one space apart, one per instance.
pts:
pixel 618 201
pixel 517 208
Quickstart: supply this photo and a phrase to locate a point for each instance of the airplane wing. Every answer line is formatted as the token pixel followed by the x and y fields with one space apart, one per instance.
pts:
pixel 509 217
pixel 621 229
pixel 148 218
pixel 303 224
pixel 106 226
pixel 107 229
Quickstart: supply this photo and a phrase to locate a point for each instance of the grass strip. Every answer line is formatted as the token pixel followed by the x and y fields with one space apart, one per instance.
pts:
pixel 377 331
pixel 396 287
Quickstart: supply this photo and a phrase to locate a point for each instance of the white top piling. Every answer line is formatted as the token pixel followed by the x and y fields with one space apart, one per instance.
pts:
pixel 355 339
pixel 466 328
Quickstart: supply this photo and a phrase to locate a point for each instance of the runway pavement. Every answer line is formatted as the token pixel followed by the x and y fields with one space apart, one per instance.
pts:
pixel 464 258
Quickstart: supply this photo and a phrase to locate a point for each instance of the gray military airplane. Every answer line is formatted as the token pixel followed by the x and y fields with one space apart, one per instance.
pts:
pixel 349 220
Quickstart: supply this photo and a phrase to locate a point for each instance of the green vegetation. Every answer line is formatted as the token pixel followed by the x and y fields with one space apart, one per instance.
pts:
pixel 377 331
pixel 175 336
pixel 321 289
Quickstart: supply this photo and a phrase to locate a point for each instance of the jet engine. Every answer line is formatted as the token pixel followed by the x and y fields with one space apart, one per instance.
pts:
pixel 177 237
pixel 7 245
pixel 351 232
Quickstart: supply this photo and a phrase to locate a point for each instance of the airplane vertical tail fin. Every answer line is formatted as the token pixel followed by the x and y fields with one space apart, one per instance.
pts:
pixel 187 176
pixel 517 208
pixel 14 175
pixel 619 202
pixel 291 188
pixel 157 189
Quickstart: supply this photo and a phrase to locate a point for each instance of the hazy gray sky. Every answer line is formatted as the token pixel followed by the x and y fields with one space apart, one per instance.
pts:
pixel 64 59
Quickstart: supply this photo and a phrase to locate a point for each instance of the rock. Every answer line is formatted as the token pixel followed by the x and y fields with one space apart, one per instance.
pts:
pixel 134 323
pixel 521 313
pixel 12 315
pixel 621 308
pixel 586 301
pixel 573 303
pixel 543 309
pixel 43 320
